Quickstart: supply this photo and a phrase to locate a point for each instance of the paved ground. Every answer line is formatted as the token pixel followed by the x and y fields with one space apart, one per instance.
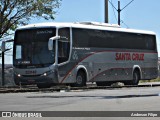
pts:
pixel 124 99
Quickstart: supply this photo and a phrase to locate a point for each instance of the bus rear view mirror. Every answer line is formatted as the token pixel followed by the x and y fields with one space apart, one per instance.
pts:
pixel 3 46
pixel 50 42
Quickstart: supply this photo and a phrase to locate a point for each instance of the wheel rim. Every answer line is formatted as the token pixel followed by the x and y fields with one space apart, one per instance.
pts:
pixel 79 79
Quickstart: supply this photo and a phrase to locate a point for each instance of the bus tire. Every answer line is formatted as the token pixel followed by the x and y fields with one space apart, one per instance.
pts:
pixel 43 85
pixel 80 79
pixel 136 77
pixel 135 80
pixel 104 83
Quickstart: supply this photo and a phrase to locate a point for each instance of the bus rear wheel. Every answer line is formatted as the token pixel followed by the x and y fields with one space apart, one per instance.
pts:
pixel 135 80
pixel 136 77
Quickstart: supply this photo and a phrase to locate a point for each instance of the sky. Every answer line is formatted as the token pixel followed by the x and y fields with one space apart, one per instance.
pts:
pixel 140 14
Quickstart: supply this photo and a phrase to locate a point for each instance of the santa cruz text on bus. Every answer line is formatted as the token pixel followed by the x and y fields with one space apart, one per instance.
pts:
pixel 130 56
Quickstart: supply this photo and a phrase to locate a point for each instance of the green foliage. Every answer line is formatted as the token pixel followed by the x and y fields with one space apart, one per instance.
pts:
pixel 20 12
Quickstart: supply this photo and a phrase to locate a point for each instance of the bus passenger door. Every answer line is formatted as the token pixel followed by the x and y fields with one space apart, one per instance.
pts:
pixel 63 52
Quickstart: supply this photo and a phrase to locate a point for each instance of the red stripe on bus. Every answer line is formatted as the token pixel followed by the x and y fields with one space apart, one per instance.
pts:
pixel 75 66
pixel 101 52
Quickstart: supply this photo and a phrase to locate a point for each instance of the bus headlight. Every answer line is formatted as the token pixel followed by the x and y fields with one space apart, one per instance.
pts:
pixel 19 75
pixel 47 73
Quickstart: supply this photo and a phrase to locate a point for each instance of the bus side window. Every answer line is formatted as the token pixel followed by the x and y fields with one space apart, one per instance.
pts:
pixel 150 42
pixel 64 45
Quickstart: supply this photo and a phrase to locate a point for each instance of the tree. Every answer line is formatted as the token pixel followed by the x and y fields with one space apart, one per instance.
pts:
pixel 20 12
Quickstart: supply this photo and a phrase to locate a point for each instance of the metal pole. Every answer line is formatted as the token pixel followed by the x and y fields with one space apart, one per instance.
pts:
pixel 3 79
pixel 119 13
pixel 2 50
pixel 106 11
pixel 3 59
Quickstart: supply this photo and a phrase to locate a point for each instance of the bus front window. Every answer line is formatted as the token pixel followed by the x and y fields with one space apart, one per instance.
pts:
pixel 31 48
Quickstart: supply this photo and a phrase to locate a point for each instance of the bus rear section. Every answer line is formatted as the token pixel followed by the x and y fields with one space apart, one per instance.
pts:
pixel 108 55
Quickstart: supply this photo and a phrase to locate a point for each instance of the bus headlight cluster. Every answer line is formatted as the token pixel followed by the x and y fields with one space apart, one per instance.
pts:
pixel 47 73
pixel 19 75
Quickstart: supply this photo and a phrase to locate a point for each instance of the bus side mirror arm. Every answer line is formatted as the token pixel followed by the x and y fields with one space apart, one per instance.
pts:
pixel 50 42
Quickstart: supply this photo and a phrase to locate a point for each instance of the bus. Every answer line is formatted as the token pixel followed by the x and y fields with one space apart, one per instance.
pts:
pixel 73 54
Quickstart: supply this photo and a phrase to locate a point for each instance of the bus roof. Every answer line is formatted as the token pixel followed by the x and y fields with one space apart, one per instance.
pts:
pixel 86 25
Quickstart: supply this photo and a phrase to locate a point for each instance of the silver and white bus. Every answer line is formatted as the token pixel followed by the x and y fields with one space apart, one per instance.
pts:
pixel 75 53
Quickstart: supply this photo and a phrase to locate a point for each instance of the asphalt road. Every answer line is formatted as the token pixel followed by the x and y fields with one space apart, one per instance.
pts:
pixel 122 99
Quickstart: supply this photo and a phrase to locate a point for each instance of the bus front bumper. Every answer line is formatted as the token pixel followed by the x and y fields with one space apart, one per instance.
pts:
pixel 35 79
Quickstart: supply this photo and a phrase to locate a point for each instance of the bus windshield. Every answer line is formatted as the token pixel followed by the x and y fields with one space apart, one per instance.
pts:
pixel 31 47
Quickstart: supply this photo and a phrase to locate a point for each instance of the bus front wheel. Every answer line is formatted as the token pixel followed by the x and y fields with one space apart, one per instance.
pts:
pixel 80 79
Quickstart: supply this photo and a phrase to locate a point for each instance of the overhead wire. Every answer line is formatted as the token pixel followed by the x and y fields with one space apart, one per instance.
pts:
pixel 124 23
pixel 114 12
